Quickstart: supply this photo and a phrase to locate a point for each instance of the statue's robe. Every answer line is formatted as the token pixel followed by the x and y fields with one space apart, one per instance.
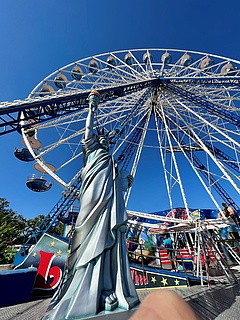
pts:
pixel 98 262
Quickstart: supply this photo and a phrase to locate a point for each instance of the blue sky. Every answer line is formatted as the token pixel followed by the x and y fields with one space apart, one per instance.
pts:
pixel 38 37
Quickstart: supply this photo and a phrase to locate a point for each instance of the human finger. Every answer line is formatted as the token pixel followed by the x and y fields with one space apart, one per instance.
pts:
pixel 164 305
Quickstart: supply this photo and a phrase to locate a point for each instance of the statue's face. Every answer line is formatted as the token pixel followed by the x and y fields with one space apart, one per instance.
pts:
pixel 104 142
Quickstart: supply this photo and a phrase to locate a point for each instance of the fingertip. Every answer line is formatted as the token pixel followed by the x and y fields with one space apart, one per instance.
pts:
pixel 164 305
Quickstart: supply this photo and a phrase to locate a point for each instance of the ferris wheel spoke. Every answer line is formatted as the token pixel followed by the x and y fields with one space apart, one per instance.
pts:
pixel 206 105
pixel 188 156
pixel 138 154
pixel 163 159
pixel 147 57
pixel 220 98
pixel 220 131
pixel 123 114
pixel 59 143
pixel 132 128
pixel 193 135
pixel 175 164
pixel 128 73
pixel 224 157
pixel 197 166
pixel 74 157
pixel 135 62
pixel 212 178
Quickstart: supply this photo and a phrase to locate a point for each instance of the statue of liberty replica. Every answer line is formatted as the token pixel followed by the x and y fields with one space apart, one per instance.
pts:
pixel 97 276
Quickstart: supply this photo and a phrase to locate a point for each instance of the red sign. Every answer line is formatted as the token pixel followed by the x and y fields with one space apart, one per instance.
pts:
pixel 48 277
pixel 139 278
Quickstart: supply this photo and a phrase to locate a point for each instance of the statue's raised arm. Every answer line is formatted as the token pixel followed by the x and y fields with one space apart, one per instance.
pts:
pixel 94 99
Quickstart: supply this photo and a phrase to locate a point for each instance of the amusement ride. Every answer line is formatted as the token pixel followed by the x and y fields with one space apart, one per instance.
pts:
pixel 180 108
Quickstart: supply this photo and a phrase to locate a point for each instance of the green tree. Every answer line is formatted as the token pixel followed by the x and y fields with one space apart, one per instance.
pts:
pixel 11 230
pixel 40 223
pixel 15 229
pixel 33 224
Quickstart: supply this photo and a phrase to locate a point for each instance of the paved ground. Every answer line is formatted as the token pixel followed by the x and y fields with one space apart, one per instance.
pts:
pixel 219 302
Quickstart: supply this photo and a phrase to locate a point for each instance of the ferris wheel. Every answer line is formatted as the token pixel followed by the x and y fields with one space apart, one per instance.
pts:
pixel 180 107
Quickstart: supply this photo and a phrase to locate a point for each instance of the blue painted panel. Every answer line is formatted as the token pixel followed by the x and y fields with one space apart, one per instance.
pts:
pixel 16 286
